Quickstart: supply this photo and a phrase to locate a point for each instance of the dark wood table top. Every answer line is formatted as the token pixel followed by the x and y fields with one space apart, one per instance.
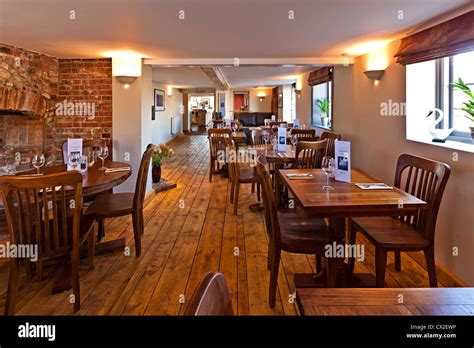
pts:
pixel 347 200
pixel 286 156
pixel 239 136
pixel 94 181
pixel 416 301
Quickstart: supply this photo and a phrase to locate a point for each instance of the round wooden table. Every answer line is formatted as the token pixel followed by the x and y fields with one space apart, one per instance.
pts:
pixel 96 181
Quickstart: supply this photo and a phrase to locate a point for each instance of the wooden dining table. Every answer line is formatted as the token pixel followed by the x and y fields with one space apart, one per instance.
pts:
pixel 412 301
pixel 95 181
pixel 344 201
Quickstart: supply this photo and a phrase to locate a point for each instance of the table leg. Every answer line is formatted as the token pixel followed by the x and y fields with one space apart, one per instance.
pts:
pixel 342 274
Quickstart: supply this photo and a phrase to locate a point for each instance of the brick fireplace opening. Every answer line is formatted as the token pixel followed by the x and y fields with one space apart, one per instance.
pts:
pixel 46 100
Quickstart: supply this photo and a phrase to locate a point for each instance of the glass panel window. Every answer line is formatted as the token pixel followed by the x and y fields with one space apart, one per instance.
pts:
pixel 322 105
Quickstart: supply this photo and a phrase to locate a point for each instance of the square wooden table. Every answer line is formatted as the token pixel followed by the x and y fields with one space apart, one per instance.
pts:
pixel 346 200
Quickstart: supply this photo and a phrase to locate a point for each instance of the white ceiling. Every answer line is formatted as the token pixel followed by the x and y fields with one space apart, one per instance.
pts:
pixel 255 76
pixel 184 77
pixel 263 75
pixel 211 28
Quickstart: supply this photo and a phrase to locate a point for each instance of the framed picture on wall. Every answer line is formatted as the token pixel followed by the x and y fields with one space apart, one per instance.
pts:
pixel 159 100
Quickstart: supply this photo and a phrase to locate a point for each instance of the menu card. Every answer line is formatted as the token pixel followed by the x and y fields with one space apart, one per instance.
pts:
pixel 281 138
pixel 74 146
pixel 296 123
pixel 273 118
pixel 228 122
pixel 342 160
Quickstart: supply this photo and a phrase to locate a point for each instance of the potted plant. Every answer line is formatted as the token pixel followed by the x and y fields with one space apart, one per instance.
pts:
pixel 323 105
pixel 468 106
pixel 160 153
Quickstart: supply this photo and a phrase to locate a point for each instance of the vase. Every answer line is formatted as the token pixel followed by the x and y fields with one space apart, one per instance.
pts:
pixel 156 174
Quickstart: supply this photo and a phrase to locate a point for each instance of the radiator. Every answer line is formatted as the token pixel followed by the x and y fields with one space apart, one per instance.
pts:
pixel 176 125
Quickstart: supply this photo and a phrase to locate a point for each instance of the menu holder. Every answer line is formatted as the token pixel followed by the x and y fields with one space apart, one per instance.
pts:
pixel 281 139
pixel 342 161
pixel 74 146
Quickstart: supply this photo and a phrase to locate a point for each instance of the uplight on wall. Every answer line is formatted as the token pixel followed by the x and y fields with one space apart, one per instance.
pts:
pixel 126 69
pixel 375 75
pixel 299 86
pixel 169 91
pixel 261 96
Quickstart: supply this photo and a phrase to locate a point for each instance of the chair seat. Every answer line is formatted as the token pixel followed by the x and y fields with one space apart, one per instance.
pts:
pixel 247 174
pixel 390 233
pixel 110 205
pixel 302 234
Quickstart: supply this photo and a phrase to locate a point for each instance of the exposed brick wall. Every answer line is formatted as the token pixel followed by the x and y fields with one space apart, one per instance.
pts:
pixel 28 86
pixel 84 81
pixel 34 84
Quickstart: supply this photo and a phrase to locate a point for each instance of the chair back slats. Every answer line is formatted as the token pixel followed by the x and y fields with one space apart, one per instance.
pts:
pixel 331 138
pixel 269 204
pixel 38 214
pixel 212 297
pixel 425 179
pixel 258 136
pixel 142 177
pixel 304 134
pixel 216 137
pixel 309 154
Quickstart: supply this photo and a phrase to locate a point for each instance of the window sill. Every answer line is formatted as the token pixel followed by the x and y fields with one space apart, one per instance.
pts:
pixel 450 144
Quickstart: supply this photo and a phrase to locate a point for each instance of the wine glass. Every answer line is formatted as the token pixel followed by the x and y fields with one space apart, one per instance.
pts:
pixel 73 159
pixel 38 161
pixel 328 168
pixel 103 154
pixel 274 142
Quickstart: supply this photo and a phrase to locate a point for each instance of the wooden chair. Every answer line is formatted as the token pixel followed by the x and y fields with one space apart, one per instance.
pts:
pixel 291 232
pixel 86 145
pixel 331 137
pixel 212 297
pixel 46 211
pixel 128 203
pixel 425 179
pixel 240 173
pixel 309 154
pixel 304 134
pixel 258 135
pixel 216 137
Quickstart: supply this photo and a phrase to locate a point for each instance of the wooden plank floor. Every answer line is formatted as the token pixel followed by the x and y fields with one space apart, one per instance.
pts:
pixel 189 231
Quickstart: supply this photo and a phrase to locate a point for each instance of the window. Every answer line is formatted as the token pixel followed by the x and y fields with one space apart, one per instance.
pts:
pixel 450 98
pixel 433 104
pixel 321 100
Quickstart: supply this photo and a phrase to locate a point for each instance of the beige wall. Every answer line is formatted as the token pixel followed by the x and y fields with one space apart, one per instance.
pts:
pixel 161 126
pixel 255 104
pixel 377 141
pixel 342 97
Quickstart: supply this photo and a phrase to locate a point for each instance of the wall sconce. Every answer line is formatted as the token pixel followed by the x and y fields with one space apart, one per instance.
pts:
pixel 169 91
pixel 299 85
pixel 261 96
pixel 126 69
pixel 375 75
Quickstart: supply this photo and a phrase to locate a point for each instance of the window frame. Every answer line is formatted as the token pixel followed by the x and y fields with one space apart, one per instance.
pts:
pixel 439 98
pixel 330 93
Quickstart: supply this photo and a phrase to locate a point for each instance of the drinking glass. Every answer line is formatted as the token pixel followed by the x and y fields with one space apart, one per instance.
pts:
pixel 274 142
pixel 328 169
pixel 73 159
pixel 103 154
pixel 266 139
pixel 38 161
pixel 83 163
